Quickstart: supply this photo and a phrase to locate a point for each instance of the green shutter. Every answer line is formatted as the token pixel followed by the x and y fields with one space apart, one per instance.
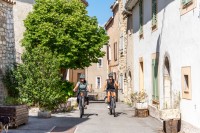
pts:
pixel 154 12
pixel 141 16
pixel 185 2
pixel 155 79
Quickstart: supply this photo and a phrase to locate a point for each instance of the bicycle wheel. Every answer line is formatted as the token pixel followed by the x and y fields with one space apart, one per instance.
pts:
pixel 113 106
pixel 81 107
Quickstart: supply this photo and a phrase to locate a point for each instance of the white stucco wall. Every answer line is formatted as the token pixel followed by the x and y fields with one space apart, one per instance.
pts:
pixel 177 35
pixel 20 11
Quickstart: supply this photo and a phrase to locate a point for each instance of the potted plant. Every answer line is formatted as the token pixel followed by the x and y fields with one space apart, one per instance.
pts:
pixel 12 106
pixel 171 116
pixel 139 99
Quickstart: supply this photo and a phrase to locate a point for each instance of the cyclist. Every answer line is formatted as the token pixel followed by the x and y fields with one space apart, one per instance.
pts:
pixel 82 85
pixel 110 86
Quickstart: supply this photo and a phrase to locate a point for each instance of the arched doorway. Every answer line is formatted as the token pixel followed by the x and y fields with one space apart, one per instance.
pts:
pixel 167 84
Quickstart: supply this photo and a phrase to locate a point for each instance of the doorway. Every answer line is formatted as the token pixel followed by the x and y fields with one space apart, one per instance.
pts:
pixel 167 84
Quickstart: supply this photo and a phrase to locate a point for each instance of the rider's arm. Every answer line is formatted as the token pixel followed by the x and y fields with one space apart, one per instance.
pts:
pixel 76 87
pixel 105 86
pixel 116 85
pixel 89 89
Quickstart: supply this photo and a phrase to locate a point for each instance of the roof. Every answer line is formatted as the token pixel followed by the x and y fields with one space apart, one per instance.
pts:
pixel 85 2
pixel 10 1
pixel 116 3
pixel 130 4
pixel 108 22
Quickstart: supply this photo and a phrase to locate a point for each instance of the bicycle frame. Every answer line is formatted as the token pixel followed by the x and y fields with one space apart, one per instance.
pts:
pixel 112 95
pixel 81 97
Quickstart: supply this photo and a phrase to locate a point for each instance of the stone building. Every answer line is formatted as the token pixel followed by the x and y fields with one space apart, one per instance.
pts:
pixel 113 31
pixel 97 74
pixel 166 56
pixel 7 40
pixel 120 49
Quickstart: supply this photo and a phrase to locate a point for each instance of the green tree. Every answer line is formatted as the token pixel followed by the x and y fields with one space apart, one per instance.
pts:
pixel 65 28
pixel 39 80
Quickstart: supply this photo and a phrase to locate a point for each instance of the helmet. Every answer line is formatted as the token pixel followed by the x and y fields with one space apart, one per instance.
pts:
pixel 110 74
pixel 82 76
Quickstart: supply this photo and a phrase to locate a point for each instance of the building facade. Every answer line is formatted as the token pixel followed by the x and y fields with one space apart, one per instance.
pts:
pixel 97 74
pixel 120 50
pixel 166 56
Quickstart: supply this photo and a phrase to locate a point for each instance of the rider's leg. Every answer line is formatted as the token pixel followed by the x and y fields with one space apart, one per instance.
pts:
pixel 108 98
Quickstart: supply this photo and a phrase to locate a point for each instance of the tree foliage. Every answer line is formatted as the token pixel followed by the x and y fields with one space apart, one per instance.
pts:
pixel 39 80
pixel 65 28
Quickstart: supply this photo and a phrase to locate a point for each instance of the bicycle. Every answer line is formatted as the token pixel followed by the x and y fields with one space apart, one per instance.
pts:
pixel 112 102
pixel 81 97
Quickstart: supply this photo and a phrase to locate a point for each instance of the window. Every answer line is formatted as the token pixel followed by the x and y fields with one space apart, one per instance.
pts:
pixel 141 74
pixel 121 44
pixel 115 51
pixel 187 5
pixel 98 82
pixel 154 14
pixel 186 82
pixel 186 2
pixel 141 18
pixel 78 76
pixel 100 62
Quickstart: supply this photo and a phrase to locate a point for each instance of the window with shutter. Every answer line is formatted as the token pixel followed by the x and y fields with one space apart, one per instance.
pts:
pixel 154 14
pixel 186 2
pixel 141 17
pixel 187 6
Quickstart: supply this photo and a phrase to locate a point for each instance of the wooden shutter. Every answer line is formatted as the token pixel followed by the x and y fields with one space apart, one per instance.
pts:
pixel 155 79
pixel 154 12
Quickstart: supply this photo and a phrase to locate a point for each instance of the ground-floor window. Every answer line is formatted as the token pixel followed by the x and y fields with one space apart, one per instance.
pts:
pixel 98 82
pixel 186 82
pixel 141 74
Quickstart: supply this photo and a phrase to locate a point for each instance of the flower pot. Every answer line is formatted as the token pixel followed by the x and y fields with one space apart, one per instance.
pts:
pixel 142 105
pixel 168 114
pixel 44 114
pixel 17 113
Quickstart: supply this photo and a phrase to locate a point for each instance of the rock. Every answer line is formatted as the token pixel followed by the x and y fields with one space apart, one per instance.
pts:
pixel 73 101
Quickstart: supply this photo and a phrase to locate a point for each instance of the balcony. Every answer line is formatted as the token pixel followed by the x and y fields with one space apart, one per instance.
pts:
pixel 130 4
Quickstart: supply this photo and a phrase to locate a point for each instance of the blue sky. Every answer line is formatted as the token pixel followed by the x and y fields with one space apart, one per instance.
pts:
pixel 100 9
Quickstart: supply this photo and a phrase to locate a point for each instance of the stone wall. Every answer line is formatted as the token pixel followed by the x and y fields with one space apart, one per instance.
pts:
pixel 7 42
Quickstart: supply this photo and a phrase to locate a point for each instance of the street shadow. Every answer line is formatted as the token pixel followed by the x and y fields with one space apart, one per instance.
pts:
pixel 117 114
pixel 54 124
pixel 88 115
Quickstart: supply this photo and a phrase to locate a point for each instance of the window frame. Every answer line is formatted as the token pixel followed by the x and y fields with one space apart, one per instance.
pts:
pixel 186 93
pixel 155 57
pixel 115 51
pixel 97 86
pixel 98 64
pixel 185 8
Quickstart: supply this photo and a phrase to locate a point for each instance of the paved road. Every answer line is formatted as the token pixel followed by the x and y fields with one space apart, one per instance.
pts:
pixel 95 120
